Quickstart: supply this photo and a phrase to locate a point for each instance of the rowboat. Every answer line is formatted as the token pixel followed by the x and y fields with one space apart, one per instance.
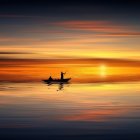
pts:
pixel 57 80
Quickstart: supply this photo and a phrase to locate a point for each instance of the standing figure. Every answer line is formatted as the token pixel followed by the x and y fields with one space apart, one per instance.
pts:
pixel 62 75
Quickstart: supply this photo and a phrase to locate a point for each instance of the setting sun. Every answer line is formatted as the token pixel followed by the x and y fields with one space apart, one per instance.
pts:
pixel 103 70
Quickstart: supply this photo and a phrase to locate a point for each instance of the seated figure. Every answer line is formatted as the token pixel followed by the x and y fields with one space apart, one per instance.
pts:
pixel 50 78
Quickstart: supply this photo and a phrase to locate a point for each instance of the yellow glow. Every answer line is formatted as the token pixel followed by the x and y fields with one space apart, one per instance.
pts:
pixel 103 70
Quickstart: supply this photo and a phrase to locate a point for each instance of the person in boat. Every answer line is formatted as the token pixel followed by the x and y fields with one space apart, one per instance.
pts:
pixel 62 75
pixel 50 78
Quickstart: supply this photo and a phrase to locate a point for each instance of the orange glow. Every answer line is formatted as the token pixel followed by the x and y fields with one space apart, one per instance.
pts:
pixel 81 70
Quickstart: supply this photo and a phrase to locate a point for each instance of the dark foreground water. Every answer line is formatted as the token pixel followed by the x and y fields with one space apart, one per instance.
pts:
pixel 104 111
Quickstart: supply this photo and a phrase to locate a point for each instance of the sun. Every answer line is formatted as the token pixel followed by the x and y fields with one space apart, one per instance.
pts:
pixel 102 69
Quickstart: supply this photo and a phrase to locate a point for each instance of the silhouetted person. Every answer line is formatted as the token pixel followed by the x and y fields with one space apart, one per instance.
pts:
pixel 62 75
pixel 50 78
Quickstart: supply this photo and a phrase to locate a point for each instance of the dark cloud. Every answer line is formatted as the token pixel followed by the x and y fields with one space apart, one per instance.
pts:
pixel 16 16
pixel 14 53
pixel 108 61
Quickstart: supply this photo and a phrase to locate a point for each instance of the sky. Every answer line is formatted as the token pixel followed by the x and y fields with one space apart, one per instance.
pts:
pixel 39 32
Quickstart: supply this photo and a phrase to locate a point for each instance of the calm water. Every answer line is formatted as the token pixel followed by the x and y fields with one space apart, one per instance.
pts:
pixel 77 111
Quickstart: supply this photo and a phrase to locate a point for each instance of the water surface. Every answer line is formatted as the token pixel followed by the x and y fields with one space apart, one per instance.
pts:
pixel 77 111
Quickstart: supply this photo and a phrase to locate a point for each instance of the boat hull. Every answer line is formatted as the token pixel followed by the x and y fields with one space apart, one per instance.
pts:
pixel 57 80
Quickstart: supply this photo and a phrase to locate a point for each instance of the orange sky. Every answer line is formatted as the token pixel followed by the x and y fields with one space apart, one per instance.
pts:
pixel 81 70
pixel 89 50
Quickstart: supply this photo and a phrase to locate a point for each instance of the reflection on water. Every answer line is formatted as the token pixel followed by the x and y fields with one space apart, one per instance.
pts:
pixel 84 111
pixel 60 85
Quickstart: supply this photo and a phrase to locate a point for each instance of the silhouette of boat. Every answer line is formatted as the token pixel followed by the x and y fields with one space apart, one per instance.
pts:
pixel 61 80
pixel 57 80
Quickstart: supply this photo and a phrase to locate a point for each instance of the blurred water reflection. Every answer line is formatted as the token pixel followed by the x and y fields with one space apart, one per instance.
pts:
pixel 73 110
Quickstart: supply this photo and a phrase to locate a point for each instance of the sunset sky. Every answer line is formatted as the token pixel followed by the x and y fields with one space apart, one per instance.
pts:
pixel 39 37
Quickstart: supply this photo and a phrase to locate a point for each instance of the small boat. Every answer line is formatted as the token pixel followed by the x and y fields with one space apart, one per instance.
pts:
pixel 57 80
pixel 61 80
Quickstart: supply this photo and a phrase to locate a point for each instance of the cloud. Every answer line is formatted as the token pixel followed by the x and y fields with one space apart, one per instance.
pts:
pixel 124 34
pixel 16 16
pixel 14 52
pixel 92 61
pixel 15 39
pixel 102 27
